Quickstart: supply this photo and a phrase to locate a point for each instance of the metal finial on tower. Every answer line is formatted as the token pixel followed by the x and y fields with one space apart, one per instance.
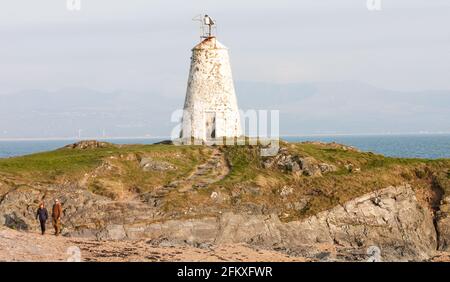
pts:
pixel 209 22
pixel 207 25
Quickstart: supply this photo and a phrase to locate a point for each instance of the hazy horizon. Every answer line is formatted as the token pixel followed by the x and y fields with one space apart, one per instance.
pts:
pixel 119 69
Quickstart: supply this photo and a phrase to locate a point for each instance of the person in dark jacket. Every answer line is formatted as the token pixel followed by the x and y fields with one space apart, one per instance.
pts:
pixel 42 215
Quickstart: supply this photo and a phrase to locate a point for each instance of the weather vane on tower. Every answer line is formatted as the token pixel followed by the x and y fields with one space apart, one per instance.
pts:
pixel 207 26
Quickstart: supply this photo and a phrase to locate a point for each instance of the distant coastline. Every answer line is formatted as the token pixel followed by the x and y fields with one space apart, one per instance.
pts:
pixel 414 145
pixel 168 137
pixel 82 138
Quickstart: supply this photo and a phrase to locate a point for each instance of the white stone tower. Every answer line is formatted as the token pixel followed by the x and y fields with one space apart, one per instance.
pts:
pixel 210 107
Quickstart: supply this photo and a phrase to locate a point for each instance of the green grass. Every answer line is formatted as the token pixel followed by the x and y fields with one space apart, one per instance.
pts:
pixel 244 163
pixel 375 172
pixel 55 162
pixel 71 163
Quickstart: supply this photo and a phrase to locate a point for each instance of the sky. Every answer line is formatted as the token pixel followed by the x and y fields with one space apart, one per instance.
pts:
pixel 119 68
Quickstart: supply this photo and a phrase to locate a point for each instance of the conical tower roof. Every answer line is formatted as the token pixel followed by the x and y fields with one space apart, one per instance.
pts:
pixel 209 44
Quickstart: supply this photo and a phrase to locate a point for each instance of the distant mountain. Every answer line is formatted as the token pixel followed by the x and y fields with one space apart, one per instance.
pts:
pixel 62 113
pixel 348 107
pixel 305 108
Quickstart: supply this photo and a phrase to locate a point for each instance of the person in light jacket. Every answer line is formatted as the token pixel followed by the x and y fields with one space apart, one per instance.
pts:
pixel 56 216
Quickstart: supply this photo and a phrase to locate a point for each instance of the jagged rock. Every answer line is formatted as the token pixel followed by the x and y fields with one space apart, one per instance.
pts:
pixel 293 167
pixel 286 191
pixel 396 223
pixel 352 168
pixel 333 145
pixel 84 213
pixel 391 219
pixel 89 144
pixel 298 165
pixel 300 205
pixel 164 142
pixel 112 232
pixel 443 224
pixel 289 163
pixel 310 166
pixel 15 222
pixel 326 168
pixel 148 164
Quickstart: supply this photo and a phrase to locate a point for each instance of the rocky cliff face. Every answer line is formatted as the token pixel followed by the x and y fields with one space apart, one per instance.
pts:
pixel 171 195
pixel 443 225
pixel 390 219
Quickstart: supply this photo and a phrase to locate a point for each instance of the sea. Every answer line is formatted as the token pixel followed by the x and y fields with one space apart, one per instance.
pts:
pixel 428 146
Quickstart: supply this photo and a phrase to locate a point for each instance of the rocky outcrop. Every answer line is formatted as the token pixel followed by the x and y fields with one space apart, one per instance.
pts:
pixel 390 219
pixel 333 145
pixel 84 214
pixel 443 225
pixel 89 144
pixel 295 164
pixel 149 164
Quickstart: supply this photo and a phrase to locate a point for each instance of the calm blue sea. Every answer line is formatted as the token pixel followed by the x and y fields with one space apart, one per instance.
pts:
pixel 429 146
pixel 408 146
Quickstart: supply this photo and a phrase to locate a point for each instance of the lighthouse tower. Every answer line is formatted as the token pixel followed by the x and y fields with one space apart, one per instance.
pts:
pixel 210 107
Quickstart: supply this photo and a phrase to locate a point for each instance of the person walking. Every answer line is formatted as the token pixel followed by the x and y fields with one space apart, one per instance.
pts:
pixel 56 216
pixel 42 216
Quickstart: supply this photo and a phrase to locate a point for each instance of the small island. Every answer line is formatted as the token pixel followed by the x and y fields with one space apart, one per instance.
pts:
pixel 311 201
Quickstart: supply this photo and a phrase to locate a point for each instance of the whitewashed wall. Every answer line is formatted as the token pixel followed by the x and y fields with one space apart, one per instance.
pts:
pixel 210 92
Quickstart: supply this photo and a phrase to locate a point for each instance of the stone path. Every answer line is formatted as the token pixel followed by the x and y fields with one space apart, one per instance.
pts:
pixel 213 170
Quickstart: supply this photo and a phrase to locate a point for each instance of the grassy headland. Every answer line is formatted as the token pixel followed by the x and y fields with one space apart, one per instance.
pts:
pixel 116 172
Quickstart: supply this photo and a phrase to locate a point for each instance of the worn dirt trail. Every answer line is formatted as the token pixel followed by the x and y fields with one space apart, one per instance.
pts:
pixel 28 246
pixel 213 170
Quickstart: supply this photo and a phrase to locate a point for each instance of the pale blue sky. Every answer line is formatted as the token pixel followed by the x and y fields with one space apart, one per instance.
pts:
pixel 141 50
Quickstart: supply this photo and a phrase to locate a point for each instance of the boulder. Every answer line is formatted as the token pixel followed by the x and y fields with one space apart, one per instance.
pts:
pixel 326 168
pixel 286 191
pixel 443 224
pixel 310 166
pixel 112 232
pixel 301 204
pixel 298 165
pixel 396 224
pixel 89 144
pixel 352 168
pixel 149 164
